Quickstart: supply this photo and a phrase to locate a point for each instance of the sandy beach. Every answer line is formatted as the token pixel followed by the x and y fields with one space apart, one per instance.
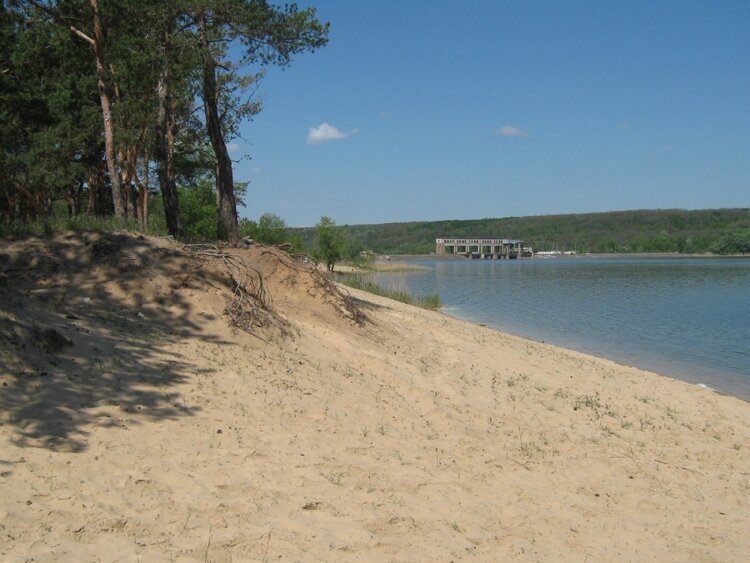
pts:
pixel 138 423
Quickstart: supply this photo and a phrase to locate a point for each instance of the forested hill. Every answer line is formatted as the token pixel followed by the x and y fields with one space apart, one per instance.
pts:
pixel 662 230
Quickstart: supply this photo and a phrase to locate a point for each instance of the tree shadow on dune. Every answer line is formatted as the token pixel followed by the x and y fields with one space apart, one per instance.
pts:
pixel 86 321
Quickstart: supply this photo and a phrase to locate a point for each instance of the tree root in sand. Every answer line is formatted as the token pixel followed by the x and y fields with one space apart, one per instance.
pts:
pixel 249 307
pixel 342 301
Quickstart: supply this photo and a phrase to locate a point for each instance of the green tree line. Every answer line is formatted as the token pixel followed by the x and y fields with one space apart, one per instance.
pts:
pixel 113 108
pixel 722 231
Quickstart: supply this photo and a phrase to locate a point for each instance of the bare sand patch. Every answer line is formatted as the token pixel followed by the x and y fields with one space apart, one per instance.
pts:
pixel 137 423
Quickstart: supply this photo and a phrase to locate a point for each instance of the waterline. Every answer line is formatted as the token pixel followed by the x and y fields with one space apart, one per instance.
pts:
pixel 685 318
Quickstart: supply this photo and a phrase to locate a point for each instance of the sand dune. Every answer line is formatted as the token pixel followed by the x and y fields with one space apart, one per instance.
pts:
pixel 138 424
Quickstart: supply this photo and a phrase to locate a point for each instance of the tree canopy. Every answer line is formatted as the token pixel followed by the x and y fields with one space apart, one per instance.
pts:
pixel 328 242
pixel 101 100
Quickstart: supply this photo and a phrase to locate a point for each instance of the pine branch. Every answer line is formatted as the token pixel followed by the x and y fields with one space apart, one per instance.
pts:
pixel 58 20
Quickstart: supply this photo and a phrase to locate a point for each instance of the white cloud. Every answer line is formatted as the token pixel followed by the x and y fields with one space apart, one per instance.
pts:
pixel 326 132
pixel 233 147
pixel 510 131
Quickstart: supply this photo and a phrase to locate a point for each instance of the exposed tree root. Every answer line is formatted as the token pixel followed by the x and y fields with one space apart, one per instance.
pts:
pixel 301 263
pixel 249 307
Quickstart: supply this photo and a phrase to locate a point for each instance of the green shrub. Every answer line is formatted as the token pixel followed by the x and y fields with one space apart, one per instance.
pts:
pixel 271 229
pixel 198 211
pixel 733 243
pixel 431 301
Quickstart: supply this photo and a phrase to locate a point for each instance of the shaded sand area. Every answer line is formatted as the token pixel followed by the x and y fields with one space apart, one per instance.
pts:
pixel 137 424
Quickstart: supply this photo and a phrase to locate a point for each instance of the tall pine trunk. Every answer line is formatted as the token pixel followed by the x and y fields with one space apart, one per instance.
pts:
pixel 141 206
pixel 226 207
pixel 74 198
pixel 109 137
pixel 92 182
pixel 164 147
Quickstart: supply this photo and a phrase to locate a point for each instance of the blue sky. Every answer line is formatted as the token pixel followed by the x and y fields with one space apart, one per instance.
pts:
pixel 457 110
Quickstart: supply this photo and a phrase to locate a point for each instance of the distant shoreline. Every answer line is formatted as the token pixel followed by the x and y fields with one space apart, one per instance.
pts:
pixel 396 257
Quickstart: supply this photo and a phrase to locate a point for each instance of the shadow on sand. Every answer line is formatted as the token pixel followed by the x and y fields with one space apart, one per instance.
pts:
pixel 84 329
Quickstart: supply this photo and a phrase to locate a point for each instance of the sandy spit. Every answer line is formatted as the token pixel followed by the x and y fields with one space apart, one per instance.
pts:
pixel 137 424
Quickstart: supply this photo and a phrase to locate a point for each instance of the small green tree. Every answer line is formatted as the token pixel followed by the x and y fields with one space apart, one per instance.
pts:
pixel 198 210
pixel 328 242
pixel 248 228
pixel 296 242
pixel 271 229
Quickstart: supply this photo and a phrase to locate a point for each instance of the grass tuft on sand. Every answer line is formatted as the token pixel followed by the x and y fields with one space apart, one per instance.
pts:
pixel 366 283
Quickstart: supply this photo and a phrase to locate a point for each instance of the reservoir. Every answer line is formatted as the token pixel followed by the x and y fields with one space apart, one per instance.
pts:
pixel 687 318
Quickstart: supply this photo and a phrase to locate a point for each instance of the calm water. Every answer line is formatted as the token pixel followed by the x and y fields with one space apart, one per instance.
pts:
pixel 688 318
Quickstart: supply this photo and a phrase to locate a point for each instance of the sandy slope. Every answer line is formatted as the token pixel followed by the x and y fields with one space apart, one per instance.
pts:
pixel 137 425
